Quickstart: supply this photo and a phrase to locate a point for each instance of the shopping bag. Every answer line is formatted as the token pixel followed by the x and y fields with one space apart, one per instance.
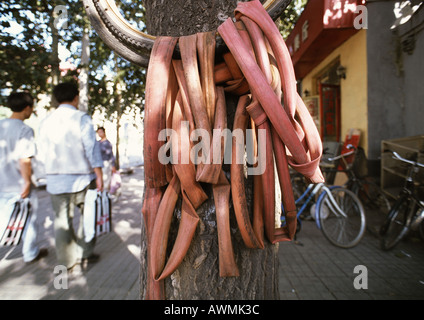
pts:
pixel 97 214
pixel 104 213
pixel 7 206
pixel 115 182
pixel 89 215
pixel 13 223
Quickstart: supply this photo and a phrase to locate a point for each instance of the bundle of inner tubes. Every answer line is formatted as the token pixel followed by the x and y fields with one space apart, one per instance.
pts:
pixel 187 96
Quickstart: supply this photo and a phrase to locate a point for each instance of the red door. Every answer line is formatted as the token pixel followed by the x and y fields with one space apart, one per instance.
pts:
pixel 329 112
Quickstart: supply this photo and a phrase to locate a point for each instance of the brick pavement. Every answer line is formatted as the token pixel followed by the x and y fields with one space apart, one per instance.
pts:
pixel 115 276
pixel 310 268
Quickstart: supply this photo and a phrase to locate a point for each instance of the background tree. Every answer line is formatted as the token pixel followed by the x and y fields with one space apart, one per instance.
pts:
pixel 115 86
pixel 29 56
pixel 24 57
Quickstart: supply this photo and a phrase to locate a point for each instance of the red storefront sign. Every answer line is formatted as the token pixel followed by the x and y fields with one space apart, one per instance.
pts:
pixel 322 27
pixel 340 13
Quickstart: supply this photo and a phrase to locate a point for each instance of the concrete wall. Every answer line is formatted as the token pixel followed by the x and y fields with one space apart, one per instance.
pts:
pixel 354 87
pixel 395 78
pixel 413 75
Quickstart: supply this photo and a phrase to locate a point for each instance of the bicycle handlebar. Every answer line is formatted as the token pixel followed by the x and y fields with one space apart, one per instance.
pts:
pixel 342 155
pixel 414 163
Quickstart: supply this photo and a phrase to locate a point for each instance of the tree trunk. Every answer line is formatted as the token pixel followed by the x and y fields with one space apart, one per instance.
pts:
pixel 117 96
pixel 83 77
pixel 198 275
pixel 55 72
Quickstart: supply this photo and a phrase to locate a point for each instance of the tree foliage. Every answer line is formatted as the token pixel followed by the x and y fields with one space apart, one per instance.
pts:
pixel 112 77
pixel 28 57
pixel 290 16
pixel 24 56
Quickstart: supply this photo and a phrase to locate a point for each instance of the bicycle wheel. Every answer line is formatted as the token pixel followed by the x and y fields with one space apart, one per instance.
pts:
pixel 395 227
pixel 345 229
pixel 373 197
pixel 421 230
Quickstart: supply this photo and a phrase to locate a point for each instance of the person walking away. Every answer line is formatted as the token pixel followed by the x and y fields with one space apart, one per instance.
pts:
pixel 109 166
pixel 17 148
pixel 73 164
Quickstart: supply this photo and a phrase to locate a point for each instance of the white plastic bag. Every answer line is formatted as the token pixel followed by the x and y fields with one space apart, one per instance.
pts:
pixel 115 182
pixel 97 214
pixel 15 213
pixel 89 215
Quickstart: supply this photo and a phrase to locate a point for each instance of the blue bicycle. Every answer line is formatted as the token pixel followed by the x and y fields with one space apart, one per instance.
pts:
pixel 337 211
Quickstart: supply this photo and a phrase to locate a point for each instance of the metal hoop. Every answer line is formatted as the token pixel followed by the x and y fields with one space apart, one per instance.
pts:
pixel 132 44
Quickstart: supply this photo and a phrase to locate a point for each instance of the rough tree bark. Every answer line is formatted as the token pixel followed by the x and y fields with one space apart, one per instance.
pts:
pixel 198 275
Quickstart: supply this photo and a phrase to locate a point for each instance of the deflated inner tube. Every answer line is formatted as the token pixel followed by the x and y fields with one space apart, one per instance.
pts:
pixel 256 68
pixel 135 45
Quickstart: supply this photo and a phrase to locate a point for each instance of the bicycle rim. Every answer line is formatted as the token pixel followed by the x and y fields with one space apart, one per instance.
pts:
pixel 421 230
pixel 376 199
pixel 394 228
pixel 342 231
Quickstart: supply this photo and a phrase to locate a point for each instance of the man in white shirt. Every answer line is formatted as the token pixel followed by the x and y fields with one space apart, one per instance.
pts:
pixel 73 164
pixel 17 148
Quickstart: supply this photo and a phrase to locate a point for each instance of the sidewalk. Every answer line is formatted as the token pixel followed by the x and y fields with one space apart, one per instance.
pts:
pixel 115 276
pixel 310 267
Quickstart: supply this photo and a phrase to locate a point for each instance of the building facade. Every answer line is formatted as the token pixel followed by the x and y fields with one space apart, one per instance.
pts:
pixel 358 65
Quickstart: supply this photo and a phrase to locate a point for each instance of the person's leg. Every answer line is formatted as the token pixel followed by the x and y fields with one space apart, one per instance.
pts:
pixel 85 249
pixel 66 246
pixel 30 248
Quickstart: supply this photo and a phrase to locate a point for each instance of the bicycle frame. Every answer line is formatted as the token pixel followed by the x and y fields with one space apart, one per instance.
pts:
pixel 365 188
pixel 414 209
pixel 335 210
pixel 313 190
pixel 407 194
pixel 347 168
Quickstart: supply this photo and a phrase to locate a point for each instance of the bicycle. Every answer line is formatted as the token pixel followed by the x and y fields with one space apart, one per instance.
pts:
pixel 364 187
pixel 339 213
pixel 407 213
